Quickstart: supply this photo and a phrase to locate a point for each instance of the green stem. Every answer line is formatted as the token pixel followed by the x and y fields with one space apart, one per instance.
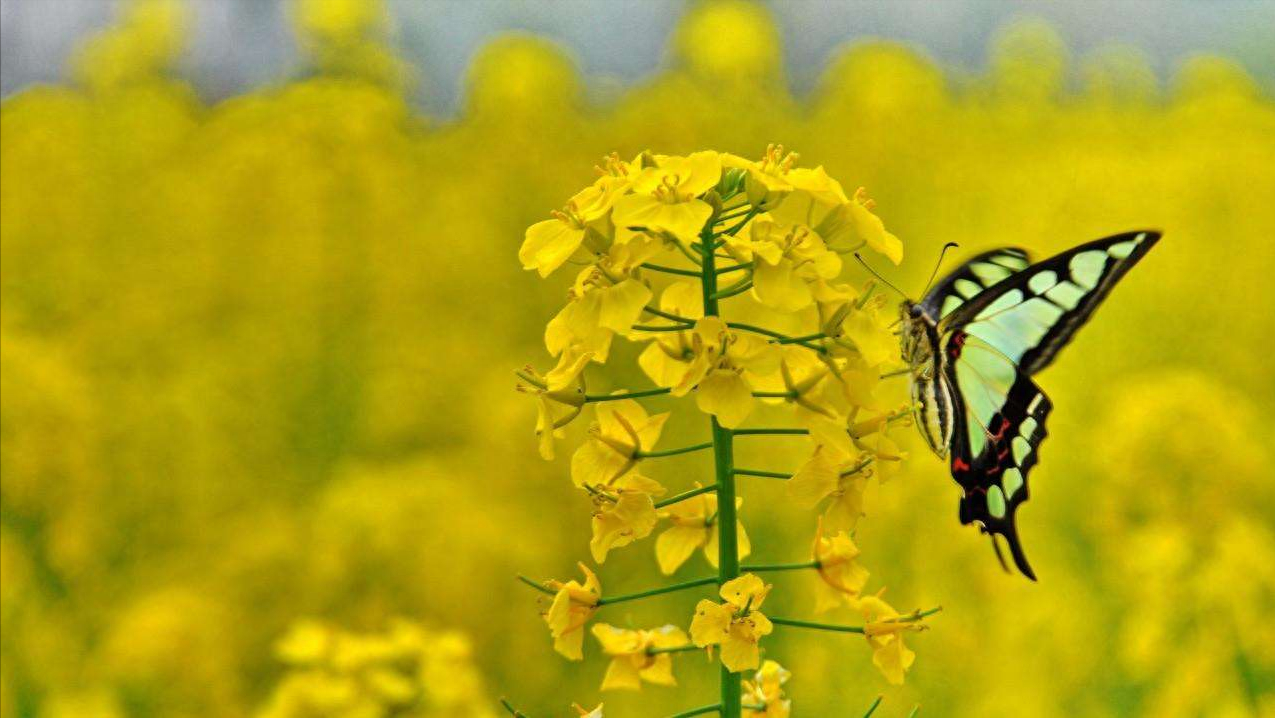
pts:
pixel 806 338
pixel 715 708
pixel 736 268
pixel 685 495
pixel 707 237
pixel 672 452
pixel 669 270
pixel 605 600
pixel 815 625
pixel 512 711
pixel 759 567
pixel 590 398
pixel 732 692
pixel 775 394
pixel 761 474
pixel 734 212
pixel 771 432
pixel 737 288
pixel 536 585
pixel 873 708
pixel 915 709
pixel 666 315
pixel 653 328
pixel 781 338
pixel 673 649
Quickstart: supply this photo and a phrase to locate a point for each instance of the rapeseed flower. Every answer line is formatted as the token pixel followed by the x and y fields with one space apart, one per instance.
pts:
pixel 692 525
pixel 735 625
pixel 574 603
pixel 632 659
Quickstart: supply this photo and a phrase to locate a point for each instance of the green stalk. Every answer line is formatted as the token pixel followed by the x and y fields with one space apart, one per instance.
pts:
pixel 606 600
pixel 723 455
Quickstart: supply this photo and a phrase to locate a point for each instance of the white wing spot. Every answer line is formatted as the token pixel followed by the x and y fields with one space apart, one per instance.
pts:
pixel 1065 294
pixel 1086 268
pixel 1013 481
pixel 1042 281
pixel 967 288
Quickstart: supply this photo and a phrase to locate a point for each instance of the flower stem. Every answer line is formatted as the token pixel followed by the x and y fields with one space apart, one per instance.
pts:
pixel 873 708
pixel 735 268
pixel 737 288
pixel 758 568
pixel 715 708
pixel 605 600
pixel 815 625
pixel 666 315
pixel 761 474
pixel 671 452
pixel 536 585
pixel 806 338
pixel 590 398
pixel 780 338
pixel 771 432
pixel 685 495
pixel 669 270
pixel 512 711
pixel 673 649
pixel 775 394
pixel 732 692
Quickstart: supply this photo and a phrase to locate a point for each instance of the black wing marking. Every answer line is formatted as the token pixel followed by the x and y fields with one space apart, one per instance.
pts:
pixel 1072 283
pixel 972 278
pixel 995 481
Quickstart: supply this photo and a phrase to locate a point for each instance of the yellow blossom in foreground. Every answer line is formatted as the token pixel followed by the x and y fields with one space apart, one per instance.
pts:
pixel 884 628
pixel 787 259
pixel 841 576
pixel 693 526
pixel 819 202
pixel 623 513
pixel 766 183
pixel 573 605
pixel 631 659
pixel 599 305
pixel 665 197
pixel 736 625
pixel 549 244
pixel 766 690
pixel 623 430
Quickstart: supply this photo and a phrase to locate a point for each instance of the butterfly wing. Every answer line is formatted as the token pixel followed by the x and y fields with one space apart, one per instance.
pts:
pixel 993 341
pixel 1032 314
pixel 999 424
pixel 972 278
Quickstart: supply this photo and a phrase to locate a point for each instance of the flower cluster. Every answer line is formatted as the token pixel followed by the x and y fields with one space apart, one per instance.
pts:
pixel 403 671
pixel 659 244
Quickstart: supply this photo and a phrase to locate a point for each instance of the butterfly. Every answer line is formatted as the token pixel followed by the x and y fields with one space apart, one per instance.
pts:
pixel 973 344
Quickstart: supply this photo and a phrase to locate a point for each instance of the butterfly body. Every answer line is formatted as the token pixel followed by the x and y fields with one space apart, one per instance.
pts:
pixel 974 342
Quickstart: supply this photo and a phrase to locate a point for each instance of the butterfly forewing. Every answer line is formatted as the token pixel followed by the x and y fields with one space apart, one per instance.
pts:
pixel 972 278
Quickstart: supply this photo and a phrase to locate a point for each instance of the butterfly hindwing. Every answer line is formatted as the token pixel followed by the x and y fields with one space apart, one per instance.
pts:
pixel 994 478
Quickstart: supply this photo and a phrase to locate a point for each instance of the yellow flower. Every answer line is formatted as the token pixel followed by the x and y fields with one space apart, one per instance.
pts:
pixel 884 629
pixel 666 359
pixel 841 576
pixel 549 244
pixel 622 431
pixel 693 526
pixel 736 625
pixel 664 199
pixel 573 605
pixel 829 474
pixel 631 659
pixel 623 513
pixel 787 258
pixel 559 397
pixel 586 713
pixel 766 690
pixel 819 202
pixel 766 183
pixel 599 305
pixel 868 328
pixel 723 368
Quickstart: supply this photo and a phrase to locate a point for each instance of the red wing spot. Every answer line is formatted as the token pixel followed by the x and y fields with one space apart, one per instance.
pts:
pixel 1000 433
pixel 958 464
pixel 957 343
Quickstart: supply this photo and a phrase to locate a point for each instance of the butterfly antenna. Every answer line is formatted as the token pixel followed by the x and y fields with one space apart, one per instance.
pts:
pixel 935 273
pixel 878 276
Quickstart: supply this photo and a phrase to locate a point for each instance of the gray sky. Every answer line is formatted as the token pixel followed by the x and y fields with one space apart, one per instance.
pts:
pixel 241 43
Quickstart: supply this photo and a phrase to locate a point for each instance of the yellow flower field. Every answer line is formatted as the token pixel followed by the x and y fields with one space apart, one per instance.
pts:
pixel 262 454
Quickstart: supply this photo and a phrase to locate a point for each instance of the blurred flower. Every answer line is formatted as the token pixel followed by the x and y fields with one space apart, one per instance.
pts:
pixel 841 576
pixel 632 661
pixel 766 690
pixel 736 625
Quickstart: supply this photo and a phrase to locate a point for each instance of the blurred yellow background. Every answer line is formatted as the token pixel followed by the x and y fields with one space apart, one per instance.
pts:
pixel 257 370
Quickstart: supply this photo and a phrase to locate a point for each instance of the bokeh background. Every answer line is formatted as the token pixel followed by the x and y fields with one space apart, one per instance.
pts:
pixel 260 314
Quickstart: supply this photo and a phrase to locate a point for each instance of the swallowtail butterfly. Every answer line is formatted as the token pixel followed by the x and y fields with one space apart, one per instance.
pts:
pixel 973 343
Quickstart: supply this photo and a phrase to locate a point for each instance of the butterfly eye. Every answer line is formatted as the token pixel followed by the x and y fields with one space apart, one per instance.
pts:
pixel 915 310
